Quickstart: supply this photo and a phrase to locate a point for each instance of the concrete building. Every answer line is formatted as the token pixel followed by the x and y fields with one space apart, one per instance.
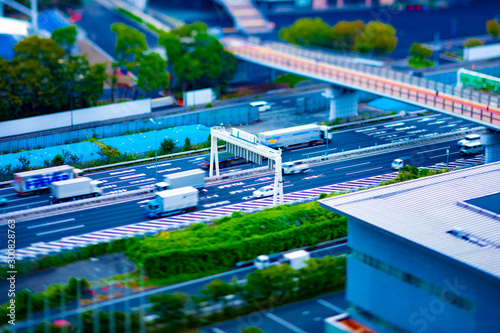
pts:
pixel 425 254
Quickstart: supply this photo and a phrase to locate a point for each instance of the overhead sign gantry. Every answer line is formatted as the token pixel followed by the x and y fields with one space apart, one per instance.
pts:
pixel 245 145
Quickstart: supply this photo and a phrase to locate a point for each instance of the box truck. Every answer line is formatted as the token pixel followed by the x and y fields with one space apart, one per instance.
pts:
pixel 294 136
pixel 226 159
pixel 75 188
pixel 295 259
pixel 194 178
pixel 37 181
pixel 172 202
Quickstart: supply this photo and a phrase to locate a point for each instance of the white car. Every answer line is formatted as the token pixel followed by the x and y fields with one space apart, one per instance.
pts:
pixel 265 191
pixel 469 138
pixel 262 106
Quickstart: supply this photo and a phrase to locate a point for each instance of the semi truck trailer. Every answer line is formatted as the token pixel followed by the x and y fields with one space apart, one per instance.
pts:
pixel 38 181
pixel 75 188
pixel 172 202
pixel 194 178
pixel 295 259
pixel 294 136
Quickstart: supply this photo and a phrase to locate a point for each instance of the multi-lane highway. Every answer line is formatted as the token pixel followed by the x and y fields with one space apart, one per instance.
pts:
pixel 133 177
pixel 232 192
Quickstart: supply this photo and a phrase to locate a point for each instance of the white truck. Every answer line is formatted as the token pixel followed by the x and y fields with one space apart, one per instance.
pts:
pixel 172 202
pixel 294 167
pixel 37 181
pixel 75 188
pixel 293 136
pixel 295 259
pixel 194 178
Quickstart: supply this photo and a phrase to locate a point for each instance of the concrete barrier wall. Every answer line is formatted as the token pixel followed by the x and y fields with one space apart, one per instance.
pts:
pixel 75 117
pixel 208 117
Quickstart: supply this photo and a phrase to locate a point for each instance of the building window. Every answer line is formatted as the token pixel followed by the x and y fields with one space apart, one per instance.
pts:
pixel 411 280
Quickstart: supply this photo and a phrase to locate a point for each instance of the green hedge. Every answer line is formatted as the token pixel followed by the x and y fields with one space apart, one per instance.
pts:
pixel 238 238
pixel 132 16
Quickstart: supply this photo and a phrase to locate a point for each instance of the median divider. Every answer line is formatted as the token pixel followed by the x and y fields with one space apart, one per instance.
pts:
pixel 67 207
pixel 105 199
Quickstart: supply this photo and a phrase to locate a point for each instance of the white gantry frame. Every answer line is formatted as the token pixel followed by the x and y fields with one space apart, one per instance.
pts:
pixel 247 142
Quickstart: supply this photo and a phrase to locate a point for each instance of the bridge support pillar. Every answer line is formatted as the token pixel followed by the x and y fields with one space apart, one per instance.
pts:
pixel 340 3
pixel 343 102
pixel 368 3
pixel 491 143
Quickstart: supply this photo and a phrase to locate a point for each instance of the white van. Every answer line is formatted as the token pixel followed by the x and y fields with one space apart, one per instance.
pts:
pixel 261 105
pixel 400 163
pixel 471 148
pixel 469 138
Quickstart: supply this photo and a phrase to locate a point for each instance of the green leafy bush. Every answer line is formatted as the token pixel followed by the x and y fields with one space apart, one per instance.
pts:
pixel 238 238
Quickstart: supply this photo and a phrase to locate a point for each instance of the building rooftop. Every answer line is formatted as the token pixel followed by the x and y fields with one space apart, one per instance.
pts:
pixel 437 212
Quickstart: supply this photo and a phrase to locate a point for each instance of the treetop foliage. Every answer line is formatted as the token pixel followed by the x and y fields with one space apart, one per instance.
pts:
pixel 374 37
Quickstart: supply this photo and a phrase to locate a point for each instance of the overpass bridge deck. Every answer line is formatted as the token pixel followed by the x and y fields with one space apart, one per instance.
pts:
pixel 348 72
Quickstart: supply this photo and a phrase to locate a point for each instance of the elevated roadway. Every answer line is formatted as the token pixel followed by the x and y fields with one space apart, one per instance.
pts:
pixel 478 107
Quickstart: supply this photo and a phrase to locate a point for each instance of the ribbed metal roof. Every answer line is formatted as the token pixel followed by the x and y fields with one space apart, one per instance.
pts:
pixel 425 210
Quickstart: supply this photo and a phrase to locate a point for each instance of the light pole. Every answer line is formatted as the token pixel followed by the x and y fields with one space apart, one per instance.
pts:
pixel 330 97
pixel 156 154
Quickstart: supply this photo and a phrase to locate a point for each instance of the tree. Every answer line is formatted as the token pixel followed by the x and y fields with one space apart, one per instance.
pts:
pixel 152 73
pixel 216 290
pixel 129 49
pixel 470 42
pixel 377 36
pixel 187 144
pixel 65 37
pixel 306 31
pixel 167 146
pixel 344 33
pixel 493 27
pixel 171 310
pixel 420 51
pixel 197 58
pixel 275 284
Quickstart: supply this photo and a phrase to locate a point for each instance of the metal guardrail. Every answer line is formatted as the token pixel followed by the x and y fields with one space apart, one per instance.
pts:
pixel 66 207
pixel 349 154
pixel 190 152
pixel 389 146
pixel 416 90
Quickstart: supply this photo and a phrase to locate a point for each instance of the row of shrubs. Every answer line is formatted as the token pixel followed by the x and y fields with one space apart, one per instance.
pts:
pixel 240 237
pixel 264 289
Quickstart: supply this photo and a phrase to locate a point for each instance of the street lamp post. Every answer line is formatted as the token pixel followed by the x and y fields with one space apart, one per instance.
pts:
pixel 156 154
pixel 330 97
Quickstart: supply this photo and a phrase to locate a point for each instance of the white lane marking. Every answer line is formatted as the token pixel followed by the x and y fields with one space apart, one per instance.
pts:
pixel 351 165
pixel 27 204
pixel 444 155
pixel 351 173
pixel 285 323
pixel 59 230
pixel 120 172
pixel 50 223
pixel 35 196
pixel 132 176
pixel 426 151
pixel 330 306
